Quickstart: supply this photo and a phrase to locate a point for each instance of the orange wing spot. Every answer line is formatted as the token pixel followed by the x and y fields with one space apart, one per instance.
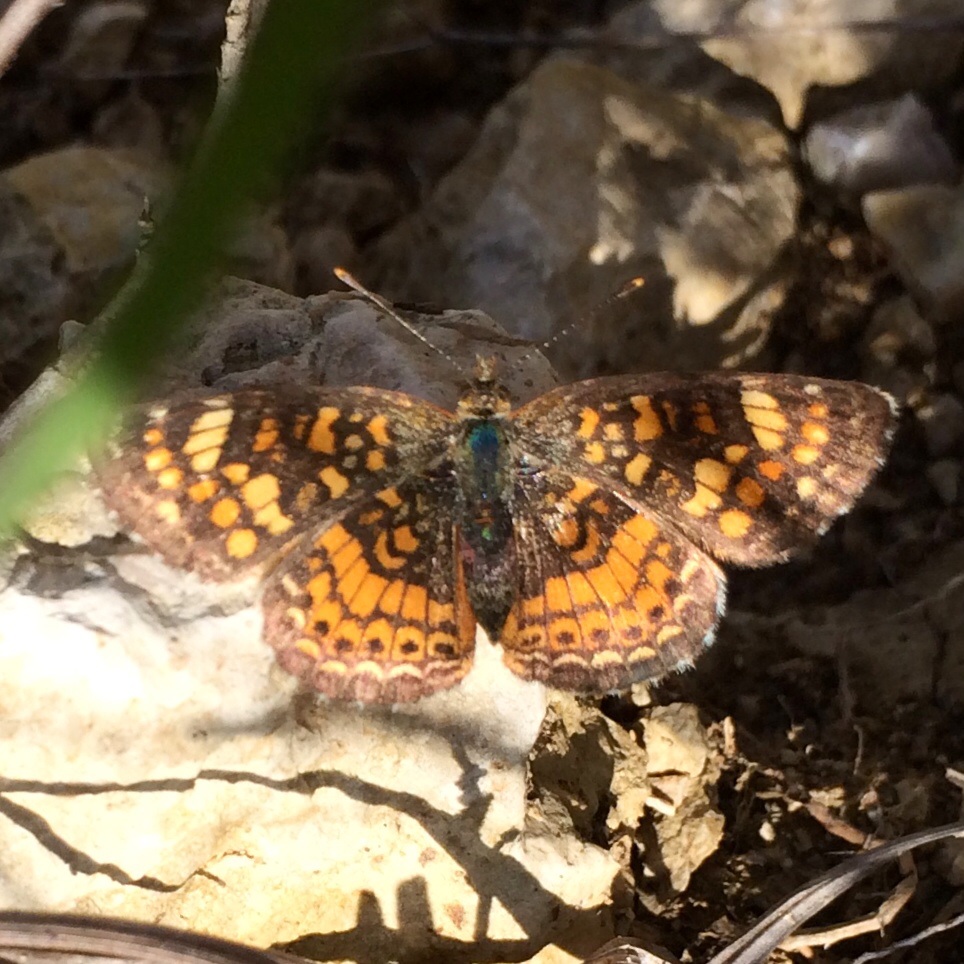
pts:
pixel 641 529
pixel 581 590
pixel 326 614
pixel 672 413
pixel 349 584
pixel 157 459
pixel 348 637
pixel 300 427
pixel 241 543
pixel 391 600
pixel 409 645
pixel 646 599
pixel 663 550
pixel 337 484
pixel 306 497
pixel 379 632
pixel 594 453
pixel 750 493
pixel 628 547
pixel 670 483
pixel 385 559
pixel 557 595
pixel 224 513
pixel 378 430
pixel 205 461
pixel 657 573
pixel 805 454
pixel 589 424
pixel 814 433
pixel 236 472
pixel 606 585
pixel 751 398
pixel 600 507
pixel 212 438
pixel 375 461
pixel 170 478
pixel 589 551
pixel 273 519
pixel 214 418
pixel 566 532
pixel 334 539
pixel 152 436
pixel 527 640
pixel 636 470
pixel 415 604
pixel 370 518
pixel 706 425
pixel 261 490
pixel 319 587
pixel 440 612
pixel 646 427
pixel 322 437
pixel 596 628
pixel 714 475
pixel 621 569
pixel 703 500
pixel 581 490
pixel 734 454
pixel 534 606
pixel 390 497
pixel 818 410
pixel 564 633
pixel 345 557
pixel 735 524
pixel 614 432
pixel 806 487
pixel 405 539
pixel 703 419
pixel 168 511
pixel 768 440
pixel 267 435
pixel 771 470
pixel 202 491
pixel 765 418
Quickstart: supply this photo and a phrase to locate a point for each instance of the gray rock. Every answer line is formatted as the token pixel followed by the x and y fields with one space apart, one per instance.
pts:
pixel 923 229
pixel 943 422
pixel 137 690
pixel 880 147
pixel 809 53
pixel 696 201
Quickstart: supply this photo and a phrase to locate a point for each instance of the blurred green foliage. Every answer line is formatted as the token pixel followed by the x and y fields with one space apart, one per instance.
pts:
pixel 289 75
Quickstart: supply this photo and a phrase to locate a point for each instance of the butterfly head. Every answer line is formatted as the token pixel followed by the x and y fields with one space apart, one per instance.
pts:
pixel 484 398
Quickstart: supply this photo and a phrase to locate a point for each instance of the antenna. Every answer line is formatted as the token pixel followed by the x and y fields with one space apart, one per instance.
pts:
pixel 385 306
pixel 634 284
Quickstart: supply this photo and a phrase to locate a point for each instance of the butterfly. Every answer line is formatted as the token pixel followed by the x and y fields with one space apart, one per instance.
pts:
pixel 583 530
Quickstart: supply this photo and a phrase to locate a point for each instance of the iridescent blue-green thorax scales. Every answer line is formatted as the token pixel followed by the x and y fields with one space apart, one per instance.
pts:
pixel 485 470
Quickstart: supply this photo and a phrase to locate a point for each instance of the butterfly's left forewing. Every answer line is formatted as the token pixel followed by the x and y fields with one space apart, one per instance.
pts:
pixel 749 467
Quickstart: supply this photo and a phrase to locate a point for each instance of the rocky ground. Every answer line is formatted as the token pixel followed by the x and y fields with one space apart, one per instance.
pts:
pixel 791 194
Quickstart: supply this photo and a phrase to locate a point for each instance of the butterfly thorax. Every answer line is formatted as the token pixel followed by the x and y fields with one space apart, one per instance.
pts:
pixel 482 464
